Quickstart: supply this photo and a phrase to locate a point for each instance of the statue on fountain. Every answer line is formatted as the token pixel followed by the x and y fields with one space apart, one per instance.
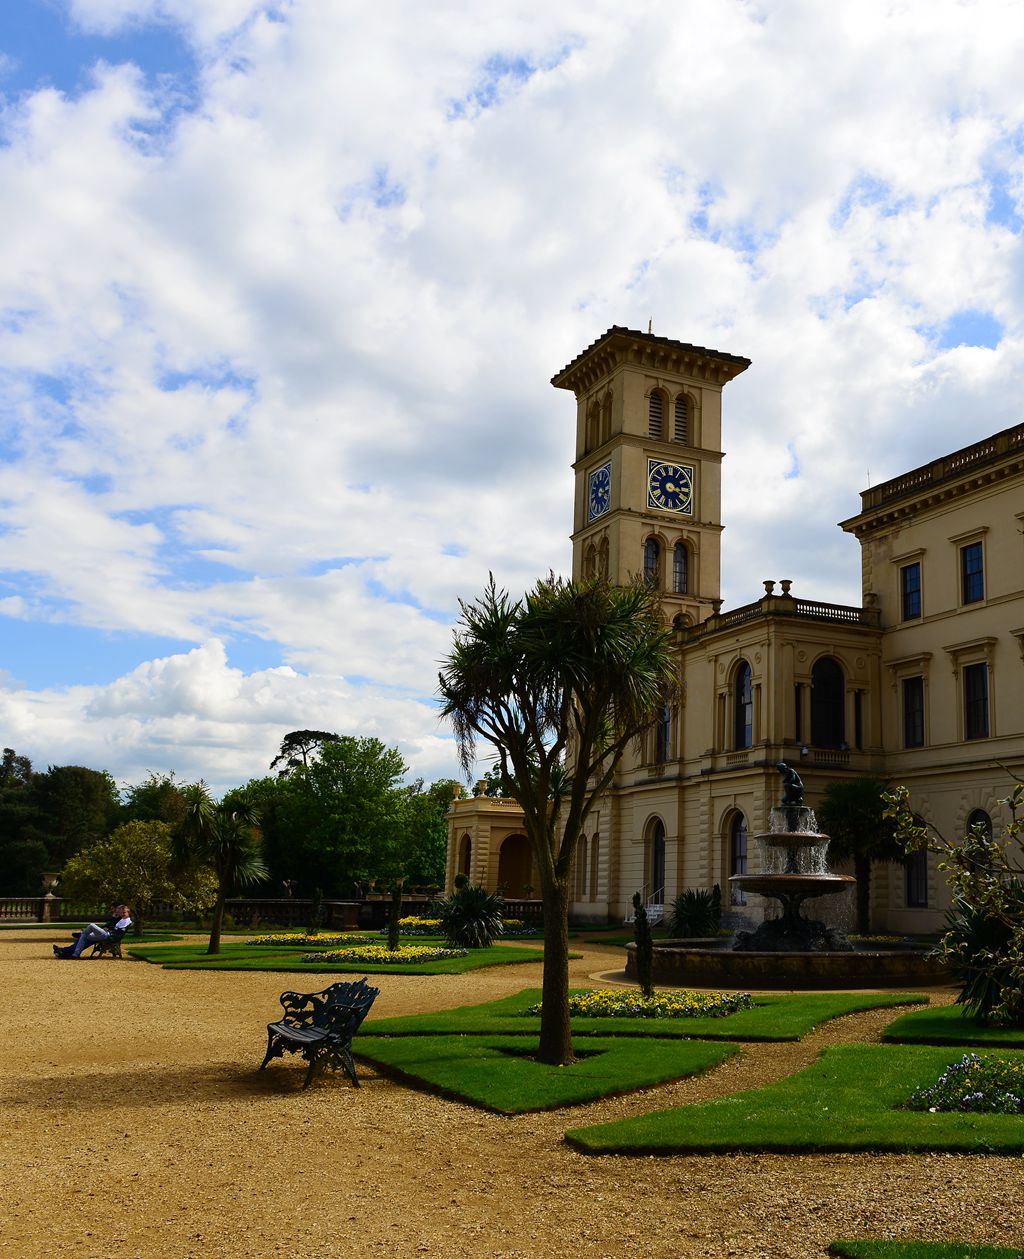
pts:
pixel 792 785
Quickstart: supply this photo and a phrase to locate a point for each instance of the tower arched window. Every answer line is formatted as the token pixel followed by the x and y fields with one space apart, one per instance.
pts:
pixel 590 561
pixel 681 420
pixel 593 427
pixel 656 415
pixel 743 723
pixel 828 703
pixel 652 563
pixel 681 569
pixel 602 560
pixel 606 417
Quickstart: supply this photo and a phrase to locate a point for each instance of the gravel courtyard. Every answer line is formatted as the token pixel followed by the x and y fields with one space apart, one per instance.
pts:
pixel 135 1125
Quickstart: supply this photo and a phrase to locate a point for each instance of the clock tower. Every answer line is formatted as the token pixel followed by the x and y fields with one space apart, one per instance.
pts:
pixel 648 465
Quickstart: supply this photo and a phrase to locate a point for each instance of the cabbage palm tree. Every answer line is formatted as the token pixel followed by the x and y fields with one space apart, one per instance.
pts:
pixel 225 837
pixel 558 683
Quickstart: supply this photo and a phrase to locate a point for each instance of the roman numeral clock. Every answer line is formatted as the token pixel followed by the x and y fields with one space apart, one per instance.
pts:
pixel 670 487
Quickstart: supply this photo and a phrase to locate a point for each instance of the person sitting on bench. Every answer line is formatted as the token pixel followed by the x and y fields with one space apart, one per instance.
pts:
pixel 120 921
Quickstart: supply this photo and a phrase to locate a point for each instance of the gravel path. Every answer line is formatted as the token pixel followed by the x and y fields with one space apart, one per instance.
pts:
pixel 135 1125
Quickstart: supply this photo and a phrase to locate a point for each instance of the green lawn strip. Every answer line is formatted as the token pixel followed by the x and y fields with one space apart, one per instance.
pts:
pixel 846 1101
pixel 775 1018
pixel 289 960
pixel 922 1250
pixel 950 1025
pixel 497 1072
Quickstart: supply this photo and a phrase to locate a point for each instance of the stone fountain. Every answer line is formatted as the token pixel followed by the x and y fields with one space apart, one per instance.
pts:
pixel 790 951
pixel 794 870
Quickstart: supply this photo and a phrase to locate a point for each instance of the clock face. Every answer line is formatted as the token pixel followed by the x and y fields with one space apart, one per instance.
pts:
pixel 669 486
pixel 600 491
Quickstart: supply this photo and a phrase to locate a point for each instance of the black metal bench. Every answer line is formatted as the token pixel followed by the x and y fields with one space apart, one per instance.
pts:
pixel 320 1026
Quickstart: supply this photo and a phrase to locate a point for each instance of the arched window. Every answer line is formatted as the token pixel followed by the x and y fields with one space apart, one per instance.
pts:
pixel 681 420
pixel 828 703
pixel 980 818
pixel 652 563
pixel 663 736
pixel 606 417
pixel 593 426
pixel 681 569
pixel 590 561
pixel 743 711
pixel 737 856
pixel 581 868
pixel 602 559
pixel 656 415
pixel 595 857
pixel 657 863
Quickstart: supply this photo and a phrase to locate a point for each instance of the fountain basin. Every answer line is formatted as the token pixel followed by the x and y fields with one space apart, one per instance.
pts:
pixel 713 964
pixel 803 885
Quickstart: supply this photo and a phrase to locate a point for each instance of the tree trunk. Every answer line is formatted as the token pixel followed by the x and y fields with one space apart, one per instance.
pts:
pixel 862 870
pixel 218 922
pixel 394 917
pixel 555 1034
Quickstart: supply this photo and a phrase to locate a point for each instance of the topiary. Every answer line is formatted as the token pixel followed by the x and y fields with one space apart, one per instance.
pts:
pixel 471 917
pixel 644 947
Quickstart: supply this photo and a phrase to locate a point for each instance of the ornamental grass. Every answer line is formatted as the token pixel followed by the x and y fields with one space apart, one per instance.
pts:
pixel 618 1003
pixel 977 1084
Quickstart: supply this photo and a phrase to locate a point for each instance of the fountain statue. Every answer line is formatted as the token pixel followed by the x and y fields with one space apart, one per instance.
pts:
pixel 793 870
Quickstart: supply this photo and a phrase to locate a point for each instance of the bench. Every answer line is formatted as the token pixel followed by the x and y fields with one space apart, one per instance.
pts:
pixel 320 1026
pixel 111 945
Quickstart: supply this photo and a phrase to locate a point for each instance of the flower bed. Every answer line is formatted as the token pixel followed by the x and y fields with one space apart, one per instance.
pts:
pixel 305 938
pixel 516 927
pixel 626 1003
pixel 980 1084
pixel 380 953
pixel 414 926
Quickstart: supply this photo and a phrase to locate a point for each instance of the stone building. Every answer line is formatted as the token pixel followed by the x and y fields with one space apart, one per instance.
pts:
pixel 921 684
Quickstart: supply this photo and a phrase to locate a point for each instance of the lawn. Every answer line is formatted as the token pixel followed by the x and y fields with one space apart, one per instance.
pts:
pixel 499 1073
pixel 848 1100
pixel 288 959
pixel 775 1018
pixel 951 1025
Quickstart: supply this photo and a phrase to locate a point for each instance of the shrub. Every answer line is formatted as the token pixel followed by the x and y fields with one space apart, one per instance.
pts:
pixel 471 917
pixel 977 1084
pixel 644 947
pixel 696 912
pixel 623 1003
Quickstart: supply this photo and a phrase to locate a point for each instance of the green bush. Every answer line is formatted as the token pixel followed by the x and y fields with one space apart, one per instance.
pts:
pixel 471 917
pixel 696 912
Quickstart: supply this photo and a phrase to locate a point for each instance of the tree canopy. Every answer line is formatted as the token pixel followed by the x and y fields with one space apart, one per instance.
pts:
pixel 852 814
pixel 558 683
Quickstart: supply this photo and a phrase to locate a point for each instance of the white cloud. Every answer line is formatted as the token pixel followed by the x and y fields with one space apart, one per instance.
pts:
pixel 275 362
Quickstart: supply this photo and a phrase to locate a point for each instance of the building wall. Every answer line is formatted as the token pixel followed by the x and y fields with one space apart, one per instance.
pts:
pixel 697 779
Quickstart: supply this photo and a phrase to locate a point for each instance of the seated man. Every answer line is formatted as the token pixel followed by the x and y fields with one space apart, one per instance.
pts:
pixel 94 932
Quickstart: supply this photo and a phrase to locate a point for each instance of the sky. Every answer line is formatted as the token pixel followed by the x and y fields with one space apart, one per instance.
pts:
pixel 283 285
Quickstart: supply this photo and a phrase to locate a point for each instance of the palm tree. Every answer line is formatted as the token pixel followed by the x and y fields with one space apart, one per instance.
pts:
pixel 558 683
pixel 226 838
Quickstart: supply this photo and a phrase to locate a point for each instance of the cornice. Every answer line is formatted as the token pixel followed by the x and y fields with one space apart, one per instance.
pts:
pixel 623 346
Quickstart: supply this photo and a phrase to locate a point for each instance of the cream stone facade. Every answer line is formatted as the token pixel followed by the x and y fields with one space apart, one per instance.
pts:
pixel 921 684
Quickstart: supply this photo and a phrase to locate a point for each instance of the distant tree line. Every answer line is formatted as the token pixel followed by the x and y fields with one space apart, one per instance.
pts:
pixel 335 817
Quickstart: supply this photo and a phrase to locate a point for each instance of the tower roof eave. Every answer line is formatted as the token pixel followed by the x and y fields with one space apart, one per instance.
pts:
pixel 644 348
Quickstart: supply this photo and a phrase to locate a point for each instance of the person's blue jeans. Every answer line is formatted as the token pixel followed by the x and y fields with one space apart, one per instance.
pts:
pixel 90 935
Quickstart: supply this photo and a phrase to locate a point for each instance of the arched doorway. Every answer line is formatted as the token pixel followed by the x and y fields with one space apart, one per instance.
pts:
pixel 514 865
pixel 465 855
pixel 656 863
pixel 828 697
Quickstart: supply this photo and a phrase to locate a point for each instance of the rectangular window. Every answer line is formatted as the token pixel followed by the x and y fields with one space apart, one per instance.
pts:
pixel 975 679
pixel 972 573
pixel 913 712
pixel 910 591
pixel 917 881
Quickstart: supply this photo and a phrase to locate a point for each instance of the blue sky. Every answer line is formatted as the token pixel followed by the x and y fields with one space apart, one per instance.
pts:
pixel 283 285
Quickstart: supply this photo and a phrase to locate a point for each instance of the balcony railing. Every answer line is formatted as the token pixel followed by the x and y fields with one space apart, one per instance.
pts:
pixel 785 605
